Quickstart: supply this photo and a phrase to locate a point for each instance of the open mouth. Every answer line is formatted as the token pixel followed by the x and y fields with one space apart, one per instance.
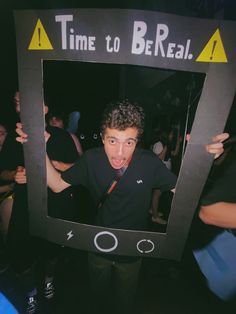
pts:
pixel 118 163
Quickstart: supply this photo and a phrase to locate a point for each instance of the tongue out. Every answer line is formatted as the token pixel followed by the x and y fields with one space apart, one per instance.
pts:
pixel 118 163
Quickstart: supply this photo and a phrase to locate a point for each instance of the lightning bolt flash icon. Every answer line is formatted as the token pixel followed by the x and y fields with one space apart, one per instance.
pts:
pixel 70 235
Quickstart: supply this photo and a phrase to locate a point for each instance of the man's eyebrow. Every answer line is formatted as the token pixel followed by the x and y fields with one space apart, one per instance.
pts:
pixel 128 139
pixel 131 139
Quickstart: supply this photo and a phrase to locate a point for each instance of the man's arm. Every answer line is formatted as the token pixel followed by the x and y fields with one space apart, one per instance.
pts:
pixel 20 177
pixel 54 180
pixel 219 214
pixel 77 144
pixel 162 154
pixel 8 175
pixel 6 188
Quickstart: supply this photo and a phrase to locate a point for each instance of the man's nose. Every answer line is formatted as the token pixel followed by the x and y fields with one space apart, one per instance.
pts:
pixel 120 149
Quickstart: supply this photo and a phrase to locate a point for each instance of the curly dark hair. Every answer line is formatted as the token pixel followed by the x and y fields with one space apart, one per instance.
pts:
pixel 121 115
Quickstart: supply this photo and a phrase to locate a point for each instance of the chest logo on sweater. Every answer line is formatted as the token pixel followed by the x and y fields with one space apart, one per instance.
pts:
pixel 139 181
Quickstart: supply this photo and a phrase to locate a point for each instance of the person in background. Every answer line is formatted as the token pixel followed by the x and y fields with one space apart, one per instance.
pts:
pixel 3 135
pixel 59 120
pixel 25 250
pixel 217 213
pixel 6 191
pixel 218 204
pixel 166 149
pixel 6 202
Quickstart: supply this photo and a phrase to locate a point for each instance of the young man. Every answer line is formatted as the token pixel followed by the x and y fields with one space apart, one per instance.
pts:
pixel 120 177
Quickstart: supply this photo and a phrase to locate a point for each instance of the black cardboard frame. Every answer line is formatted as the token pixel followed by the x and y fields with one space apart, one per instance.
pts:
pixel 125 37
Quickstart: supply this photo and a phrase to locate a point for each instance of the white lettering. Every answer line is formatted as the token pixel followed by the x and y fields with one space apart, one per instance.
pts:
pixel 78 42
pixel 138 43
pixel 72 38
pixel 91 43
pixel 116 44
pixel 112 47
pixel 161 35
pixel 81 42
pixel 142 45
pixel 63 19
pixel 170 49
pixel 149 43
pixel 187 49
pixel 180 53
pixel 108 45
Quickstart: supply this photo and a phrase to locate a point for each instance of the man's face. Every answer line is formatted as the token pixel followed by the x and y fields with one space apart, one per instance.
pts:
pixel 17 102
pixel 55 121
pixel 3 134
pixel 120 145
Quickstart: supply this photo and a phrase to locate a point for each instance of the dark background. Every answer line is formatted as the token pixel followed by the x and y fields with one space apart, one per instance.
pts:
pixel 87 87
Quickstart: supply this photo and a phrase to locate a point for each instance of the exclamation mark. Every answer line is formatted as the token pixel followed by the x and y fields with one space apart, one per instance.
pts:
pixel 39 36
pixel 213 49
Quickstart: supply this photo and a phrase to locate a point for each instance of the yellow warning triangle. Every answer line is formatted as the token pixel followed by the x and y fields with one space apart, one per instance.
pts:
pixel 214 50
pixel 40 40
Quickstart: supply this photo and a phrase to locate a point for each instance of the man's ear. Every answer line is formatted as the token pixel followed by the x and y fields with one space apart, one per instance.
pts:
pixel 45 109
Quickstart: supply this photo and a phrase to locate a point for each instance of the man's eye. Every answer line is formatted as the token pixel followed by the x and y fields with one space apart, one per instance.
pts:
pixel 129 143
pixel 112 142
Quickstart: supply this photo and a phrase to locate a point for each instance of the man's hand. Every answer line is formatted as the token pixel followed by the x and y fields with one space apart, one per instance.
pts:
pixel 217 146
pixel 23 137
pixel 20 176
